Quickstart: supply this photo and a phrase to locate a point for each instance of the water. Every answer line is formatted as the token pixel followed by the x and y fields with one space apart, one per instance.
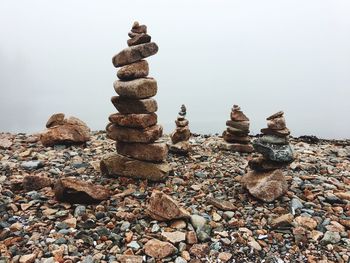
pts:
pixel 265 56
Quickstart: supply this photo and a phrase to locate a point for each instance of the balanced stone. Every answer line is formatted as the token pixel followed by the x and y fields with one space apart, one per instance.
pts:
pixel 180 134
pixel 276 123
pixel 127 105
pixel 237 132
pixel 181 123
pixel 139 39
pixel 154 152
pixel 115 164
pixel 139 29
pixel 242 125
pixel 275 115
pixel 261 164
pixel 124 134
pixel 136 89
pixel 229 137
pixel 281 133
pixel 274 139
pixel 274 152
pixel 134 53
pixel 134 120
pixel 135 70
pixel 237 115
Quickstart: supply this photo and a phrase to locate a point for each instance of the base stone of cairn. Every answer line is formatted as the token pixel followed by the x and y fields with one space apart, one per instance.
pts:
pixel 180 137
pixel 235 137
pixel 266 180
pixel 140 153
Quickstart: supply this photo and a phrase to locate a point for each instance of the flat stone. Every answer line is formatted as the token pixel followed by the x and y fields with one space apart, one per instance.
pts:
pixel 330 238
pixel 153 152
pixel 235 147
pixel 281 133
pixel 266 186
pixel 159 249
pixel 229 137
pixel 277 123
pixel 129 258
pixel 162 207
pixel 181 123
pixel 237 132
pixel 55 119
pixel 180 134
pixel 275 115
pixel 191 238
pixel 72 190
pixel 274 139
pixel 221 204
pixel 183 147
pixel 174 237
pixel 200 250
pixel 134 120
pixel 135 70
pixel 141 88
pixel 224 256
pixel 282 221
pixel 139 39
pixel 136 106
pixel 36 181
pixel 5 143
pixel 237 115
pixel 134 53
pixel 115 164
pixel 72 131
pixel 124 134
pixel 260 164
pixel 241 125
pixel 274 152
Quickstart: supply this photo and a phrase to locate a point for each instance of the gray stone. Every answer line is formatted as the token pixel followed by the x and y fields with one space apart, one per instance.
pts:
pixel 274 139
pixel 330 238
pixel 136 89
pixel 32 165
pixel 274 152
pixel 127 106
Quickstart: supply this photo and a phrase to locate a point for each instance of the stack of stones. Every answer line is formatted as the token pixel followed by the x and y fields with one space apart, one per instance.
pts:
pixel 180 137
pixel 140 154
pixel 236 135
pixel 267 181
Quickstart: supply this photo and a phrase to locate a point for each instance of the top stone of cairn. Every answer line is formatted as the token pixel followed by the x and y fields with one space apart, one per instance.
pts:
pixel 140 47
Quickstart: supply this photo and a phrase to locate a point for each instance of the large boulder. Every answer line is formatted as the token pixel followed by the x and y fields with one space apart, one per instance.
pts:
pixel 266 186
pixel 115 164
pixel 72 190
pixel 66 131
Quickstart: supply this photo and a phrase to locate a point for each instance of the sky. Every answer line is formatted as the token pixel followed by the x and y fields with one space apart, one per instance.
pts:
pixel 266 56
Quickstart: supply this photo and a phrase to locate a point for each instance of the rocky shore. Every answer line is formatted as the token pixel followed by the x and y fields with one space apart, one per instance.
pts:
pixel 210 216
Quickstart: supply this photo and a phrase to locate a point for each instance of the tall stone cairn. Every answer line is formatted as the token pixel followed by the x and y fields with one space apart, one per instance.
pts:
pixel 134 128
pixel 236 134
pixel 180 137
pixel 266 180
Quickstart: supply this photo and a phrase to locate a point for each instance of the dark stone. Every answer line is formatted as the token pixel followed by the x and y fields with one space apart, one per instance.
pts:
pixel 274 152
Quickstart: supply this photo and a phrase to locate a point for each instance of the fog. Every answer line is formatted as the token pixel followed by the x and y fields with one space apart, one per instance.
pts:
pixel 266 56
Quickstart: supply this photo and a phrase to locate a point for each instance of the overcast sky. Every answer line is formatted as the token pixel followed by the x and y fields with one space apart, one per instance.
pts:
pixel 266 56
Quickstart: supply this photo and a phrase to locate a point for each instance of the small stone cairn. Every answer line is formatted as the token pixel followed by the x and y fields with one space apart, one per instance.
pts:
pixel 236 135
pixel 140 154
pixel 266 180
pixel 180 137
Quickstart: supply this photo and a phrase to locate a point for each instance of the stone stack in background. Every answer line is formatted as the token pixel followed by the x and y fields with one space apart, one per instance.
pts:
pixel 236 135
pixel 134 128
pixel 267 181
pixel 180 137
